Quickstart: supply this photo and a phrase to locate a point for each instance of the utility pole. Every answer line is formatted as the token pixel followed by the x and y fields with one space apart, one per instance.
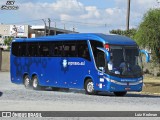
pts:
pixel 128 14
pixel 49 23
pixel 44 27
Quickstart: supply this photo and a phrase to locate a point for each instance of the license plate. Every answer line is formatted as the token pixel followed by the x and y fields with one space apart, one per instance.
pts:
pixel 127 88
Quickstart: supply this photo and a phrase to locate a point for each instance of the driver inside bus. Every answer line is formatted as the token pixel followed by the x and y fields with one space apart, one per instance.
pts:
pixel 124 67
pixel 123 64
pixel 110 64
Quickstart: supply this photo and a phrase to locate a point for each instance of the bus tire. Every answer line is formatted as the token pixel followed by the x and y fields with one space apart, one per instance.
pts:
pixel 120 93
pixel 35 83
pixel 89 87
pixel 27 81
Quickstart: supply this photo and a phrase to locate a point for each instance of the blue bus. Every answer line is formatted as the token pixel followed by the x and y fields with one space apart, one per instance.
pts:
pixel 90 61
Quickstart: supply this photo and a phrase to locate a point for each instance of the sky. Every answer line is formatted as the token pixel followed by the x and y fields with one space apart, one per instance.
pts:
pixel 86 16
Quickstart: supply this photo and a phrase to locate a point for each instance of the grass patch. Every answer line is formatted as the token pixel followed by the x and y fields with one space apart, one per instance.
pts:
pixel 151 84
pixel 151 88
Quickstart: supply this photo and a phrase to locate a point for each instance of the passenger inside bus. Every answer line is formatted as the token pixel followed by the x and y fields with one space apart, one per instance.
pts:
pixel 122 64
pixel 85 53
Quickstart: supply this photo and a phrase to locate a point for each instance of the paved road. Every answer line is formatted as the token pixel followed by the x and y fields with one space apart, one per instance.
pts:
pixel 16 98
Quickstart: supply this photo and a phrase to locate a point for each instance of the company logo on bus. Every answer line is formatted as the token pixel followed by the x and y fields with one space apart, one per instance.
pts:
pixel 64 63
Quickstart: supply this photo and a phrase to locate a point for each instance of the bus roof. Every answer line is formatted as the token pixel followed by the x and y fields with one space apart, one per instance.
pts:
pixel 106 39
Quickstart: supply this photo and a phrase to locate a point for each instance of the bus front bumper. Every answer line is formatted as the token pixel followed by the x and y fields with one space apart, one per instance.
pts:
pixel 115 86
pixel 111 85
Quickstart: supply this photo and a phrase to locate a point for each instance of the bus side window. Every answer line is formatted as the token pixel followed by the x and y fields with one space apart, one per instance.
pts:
pixel 44 49
pixel 94 45
pixel 66 51
pixel 73 50
pixel 22 51
pixel 69 49
pixel 32 49
pixel 19 49
pixel 15 49
pixel 57 49
pixel 83 50
pixel 100 60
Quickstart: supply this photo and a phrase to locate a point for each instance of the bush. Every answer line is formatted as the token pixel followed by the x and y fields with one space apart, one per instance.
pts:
pixel 129 33
pixel 148 34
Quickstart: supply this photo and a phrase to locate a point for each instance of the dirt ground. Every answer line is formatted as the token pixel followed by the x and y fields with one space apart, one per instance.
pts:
pixel 5 61
pixel 151 85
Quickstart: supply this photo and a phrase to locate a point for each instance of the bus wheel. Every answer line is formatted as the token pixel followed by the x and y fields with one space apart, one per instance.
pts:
pixel 27 81
pixel 89 87
pixel 120 93
pixel 35 83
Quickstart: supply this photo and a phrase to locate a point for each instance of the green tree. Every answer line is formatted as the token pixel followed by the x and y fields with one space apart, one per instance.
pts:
pixel 129 33
pixel 148 34
pixel 8 41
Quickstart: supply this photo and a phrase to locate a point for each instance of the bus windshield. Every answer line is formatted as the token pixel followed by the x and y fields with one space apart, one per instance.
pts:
pixel 125 61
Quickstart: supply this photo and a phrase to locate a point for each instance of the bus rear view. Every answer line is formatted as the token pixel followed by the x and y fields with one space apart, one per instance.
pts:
pixel 94 62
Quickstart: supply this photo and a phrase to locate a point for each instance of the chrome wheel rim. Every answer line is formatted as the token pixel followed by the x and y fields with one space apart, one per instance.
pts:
pixel 90 87
pixel 26 82
pixel 35 83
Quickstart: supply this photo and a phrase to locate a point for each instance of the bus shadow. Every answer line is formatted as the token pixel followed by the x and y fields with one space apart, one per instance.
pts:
pixel 1 93
pixel 66 90
pixel 142 95
pixel 70 91
pixel 109 94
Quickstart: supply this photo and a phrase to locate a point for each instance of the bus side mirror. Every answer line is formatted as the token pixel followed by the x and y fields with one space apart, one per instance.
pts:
pixel 107 56
pixel 147 55
pixel 106 52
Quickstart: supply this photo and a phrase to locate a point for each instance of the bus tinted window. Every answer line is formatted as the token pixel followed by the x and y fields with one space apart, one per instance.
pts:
pixel 94 45
pixel 15 49
pixel 32 49
pixel 44 49
pixel 52 49
pixel 57 49
pixel 22 49
pixel 83 50
pixel 96 52
pixel 69 49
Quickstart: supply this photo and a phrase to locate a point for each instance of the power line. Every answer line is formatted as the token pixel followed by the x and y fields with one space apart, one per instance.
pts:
pixel 85 23
pixel 73 22
pixel 29 21
pixel 61 20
